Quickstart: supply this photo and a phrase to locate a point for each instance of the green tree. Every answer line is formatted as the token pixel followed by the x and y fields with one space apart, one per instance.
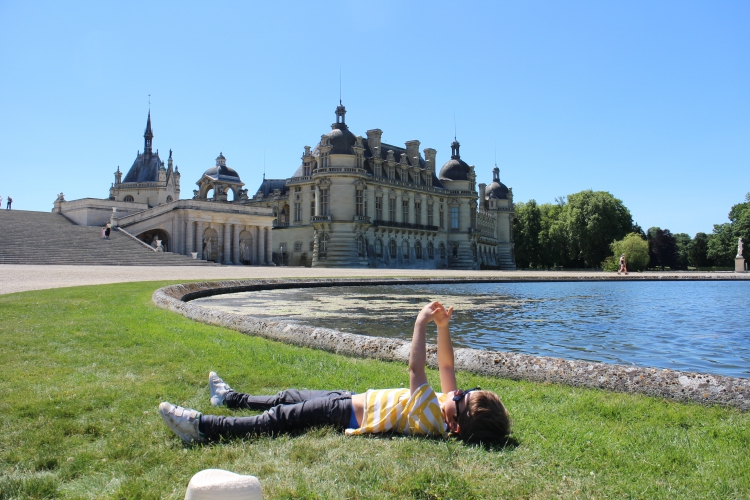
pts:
pixel 722 247
pixel 739 217
pixel 635 249
pixel 698 252
pixel 526 228
pixel 553 242
pixel 593 220
pixel 662 248
pixel 683 241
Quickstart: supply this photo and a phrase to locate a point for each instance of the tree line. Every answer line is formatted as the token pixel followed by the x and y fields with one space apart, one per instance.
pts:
pixel 591 229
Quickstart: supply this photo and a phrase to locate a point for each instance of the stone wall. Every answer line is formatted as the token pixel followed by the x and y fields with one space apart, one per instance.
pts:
pixel 663 383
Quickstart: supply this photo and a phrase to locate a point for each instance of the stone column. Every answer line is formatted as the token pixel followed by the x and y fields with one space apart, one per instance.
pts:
pixel 236 243
pixel 412 217
pixel 370 202
pixel 317 200
pixel 269 247
pixel 399 207
pixel 199 237
pixel 261 246
pixel 227 243
pixel 189 238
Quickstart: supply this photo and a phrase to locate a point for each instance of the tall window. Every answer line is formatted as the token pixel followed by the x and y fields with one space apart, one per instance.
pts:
pixel 405 210
pixel 361 245
pixel 405 249
pixel 392 209
pixel 324 202
pixel 323 246
pixel 360 202
pixel 378 208
pixel 307 168
pixel 297 246
pixel 418 250
pixel 392 248
pixel 297 212
pixel 454 217
pixel 417 212
pixel 441 217
pixel 430 250
pixel 378 248
pixel 430 218
pixel 312 205
pixel 442 251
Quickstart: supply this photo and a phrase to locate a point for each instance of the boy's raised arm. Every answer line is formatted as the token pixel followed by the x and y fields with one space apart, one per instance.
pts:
pixel 418 353
pixel 442 318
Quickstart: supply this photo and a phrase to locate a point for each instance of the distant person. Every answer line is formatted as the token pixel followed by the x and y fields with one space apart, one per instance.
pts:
pixel 106 231
pixel 471 415
pixel 10 200
pixel 623 266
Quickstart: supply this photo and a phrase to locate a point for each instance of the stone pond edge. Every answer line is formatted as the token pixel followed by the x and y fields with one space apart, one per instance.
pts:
pixel 702 388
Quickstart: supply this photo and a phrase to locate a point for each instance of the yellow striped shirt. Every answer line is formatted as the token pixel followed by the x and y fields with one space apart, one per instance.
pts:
pixel 395 410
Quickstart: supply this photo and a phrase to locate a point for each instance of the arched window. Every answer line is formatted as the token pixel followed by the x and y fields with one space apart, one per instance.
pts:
pixel 378 248
pixel 405 249
pixel 169 199
pixel 442 251
pixel 392 248
pixel 418 249
pixel 128 198
pixel 430 250
pixel 361 245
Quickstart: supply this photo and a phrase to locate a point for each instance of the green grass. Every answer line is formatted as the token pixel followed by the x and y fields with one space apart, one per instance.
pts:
pixel 84 369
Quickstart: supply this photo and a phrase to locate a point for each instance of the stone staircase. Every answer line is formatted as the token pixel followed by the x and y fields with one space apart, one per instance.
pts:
pixel 28 237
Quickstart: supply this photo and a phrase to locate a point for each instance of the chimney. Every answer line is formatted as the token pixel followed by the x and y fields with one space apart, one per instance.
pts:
pixel 429 159
pixel 412 150
pixel 373 140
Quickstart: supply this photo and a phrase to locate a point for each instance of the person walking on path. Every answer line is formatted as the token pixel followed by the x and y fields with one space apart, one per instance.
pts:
pixel 106 231
pixel 10 200
pixel 623 266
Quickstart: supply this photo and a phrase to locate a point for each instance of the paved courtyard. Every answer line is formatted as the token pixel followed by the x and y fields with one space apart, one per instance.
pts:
pixel 19 278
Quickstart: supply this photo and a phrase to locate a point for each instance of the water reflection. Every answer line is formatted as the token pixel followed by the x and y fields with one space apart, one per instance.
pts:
pixel 692 326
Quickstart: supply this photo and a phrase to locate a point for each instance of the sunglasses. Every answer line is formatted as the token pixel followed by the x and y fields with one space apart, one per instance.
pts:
pixel 459 395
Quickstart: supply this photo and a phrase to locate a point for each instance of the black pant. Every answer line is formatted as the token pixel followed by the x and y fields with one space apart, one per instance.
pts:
pixel 287 411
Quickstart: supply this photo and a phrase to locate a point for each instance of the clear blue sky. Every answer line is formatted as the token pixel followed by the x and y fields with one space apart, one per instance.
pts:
pixel 647 100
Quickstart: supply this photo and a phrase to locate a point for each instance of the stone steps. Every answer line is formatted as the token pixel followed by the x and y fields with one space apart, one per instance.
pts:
pixel 28 237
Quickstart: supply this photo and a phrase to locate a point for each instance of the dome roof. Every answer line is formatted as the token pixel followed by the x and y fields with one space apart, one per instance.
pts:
pixel 341 139
pixel 497 190
pixel 455 169
pixel 221 172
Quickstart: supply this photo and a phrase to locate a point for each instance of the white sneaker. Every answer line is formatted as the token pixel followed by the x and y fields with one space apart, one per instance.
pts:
pixel 218 389
pixel 183 421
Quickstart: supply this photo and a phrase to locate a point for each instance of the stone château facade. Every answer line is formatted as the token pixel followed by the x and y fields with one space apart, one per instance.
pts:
pixel 359 202
pixel 146 205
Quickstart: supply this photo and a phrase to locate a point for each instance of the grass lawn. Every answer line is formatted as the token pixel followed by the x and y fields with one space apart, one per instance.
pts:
pixel 84 369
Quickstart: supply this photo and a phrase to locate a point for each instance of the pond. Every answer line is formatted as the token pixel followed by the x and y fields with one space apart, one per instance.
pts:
pixel 696 326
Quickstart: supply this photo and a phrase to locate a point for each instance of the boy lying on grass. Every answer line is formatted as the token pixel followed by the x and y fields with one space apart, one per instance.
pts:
pixel 472 415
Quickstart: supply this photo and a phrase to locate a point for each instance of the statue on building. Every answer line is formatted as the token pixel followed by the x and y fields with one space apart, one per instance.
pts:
pixel 207 247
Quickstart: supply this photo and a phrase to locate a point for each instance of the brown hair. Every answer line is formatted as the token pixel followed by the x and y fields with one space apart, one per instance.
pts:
pixel 485 420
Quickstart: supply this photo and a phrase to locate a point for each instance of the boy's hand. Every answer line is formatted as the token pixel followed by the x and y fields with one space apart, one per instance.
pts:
pixel 442 316
pixel 434 311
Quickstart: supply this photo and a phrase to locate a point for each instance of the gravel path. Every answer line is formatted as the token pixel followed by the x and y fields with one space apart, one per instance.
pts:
pixel 20 278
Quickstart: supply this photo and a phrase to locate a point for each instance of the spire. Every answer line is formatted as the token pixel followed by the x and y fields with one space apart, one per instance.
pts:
pixel 148 136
